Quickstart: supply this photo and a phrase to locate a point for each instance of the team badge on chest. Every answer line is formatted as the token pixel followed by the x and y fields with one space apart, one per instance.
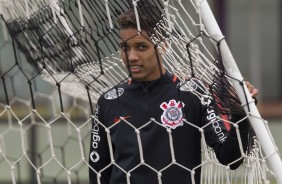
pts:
pixel 172 116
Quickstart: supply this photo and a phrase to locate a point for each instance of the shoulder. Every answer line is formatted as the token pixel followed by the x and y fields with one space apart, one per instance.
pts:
pixel 197 88
pixel 114 92
pixel 192 85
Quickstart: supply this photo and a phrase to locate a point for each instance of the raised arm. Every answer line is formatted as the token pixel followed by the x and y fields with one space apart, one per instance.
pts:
pixel 221 135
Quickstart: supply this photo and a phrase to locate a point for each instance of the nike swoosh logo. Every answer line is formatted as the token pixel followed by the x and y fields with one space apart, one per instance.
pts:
pixel 118 119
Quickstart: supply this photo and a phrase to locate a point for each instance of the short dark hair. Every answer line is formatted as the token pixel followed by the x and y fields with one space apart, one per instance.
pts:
pixel 149 16
pixel 128 20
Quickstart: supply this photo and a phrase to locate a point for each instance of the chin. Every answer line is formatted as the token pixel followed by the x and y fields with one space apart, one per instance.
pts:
pixel 138 78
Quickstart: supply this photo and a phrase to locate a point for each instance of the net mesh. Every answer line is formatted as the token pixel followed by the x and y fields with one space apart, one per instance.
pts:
pixel 69 56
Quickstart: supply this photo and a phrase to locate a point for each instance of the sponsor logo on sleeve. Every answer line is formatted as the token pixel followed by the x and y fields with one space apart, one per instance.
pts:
pixel 114 93
pixel 188 85
pixel 172 116
pixel 94 156
pixel 197 88
pixel 95 138
pixel 216 124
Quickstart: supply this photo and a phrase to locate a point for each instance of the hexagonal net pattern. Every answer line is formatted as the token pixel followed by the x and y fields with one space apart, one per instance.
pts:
pixel 61 58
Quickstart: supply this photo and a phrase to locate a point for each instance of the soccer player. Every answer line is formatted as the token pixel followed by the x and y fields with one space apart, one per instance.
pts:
pixel 149 103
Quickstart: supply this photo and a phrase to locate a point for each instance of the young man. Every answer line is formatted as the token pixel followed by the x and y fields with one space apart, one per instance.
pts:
pixel 138 148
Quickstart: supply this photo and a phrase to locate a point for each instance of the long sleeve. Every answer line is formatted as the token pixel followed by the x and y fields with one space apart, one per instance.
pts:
pixel 99 155
pixel 220 134
pixel 223 139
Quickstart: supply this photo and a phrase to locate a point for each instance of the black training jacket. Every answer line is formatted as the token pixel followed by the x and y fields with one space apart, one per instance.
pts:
pixel 133 117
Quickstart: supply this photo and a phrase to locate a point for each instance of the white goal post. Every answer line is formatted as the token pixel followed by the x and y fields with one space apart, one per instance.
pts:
pixel 247 102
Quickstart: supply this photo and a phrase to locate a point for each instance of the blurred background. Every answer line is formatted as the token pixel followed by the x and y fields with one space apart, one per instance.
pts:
pixel 253 31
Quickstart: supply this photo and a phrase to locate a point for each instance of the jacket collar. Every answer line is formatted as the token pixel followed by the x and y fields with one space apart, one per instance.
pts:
pixel 167 76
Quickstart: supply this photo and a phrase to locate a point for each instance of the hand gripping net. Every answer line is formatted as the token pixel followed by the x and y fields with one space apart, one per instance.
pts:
pixel 74 45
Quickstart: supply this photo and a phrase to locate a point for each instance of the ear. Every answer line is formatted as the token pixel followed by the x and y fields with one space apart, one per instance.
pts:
pixel 165 46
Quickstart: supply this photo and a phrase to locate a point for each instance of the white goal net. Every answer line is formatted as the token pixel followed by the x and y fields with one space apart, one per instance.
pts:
pixel 58 56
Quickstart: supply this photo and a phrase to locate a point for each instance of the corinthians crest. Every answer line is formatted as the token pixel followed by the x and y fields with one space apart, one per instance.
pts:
pixel 172 116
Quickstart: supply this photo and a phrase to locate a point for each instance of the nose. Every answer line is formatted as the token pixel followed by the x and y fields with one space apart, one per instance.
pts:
pixel 132 55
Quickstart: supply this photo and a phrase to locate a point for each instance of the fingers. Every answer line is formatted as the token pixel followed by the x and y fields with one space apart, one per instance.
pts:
pixel 253 91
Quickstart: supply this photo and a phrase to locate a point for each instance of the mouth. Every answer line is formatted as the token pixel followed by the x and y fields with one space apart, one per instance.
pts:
pixel 135 68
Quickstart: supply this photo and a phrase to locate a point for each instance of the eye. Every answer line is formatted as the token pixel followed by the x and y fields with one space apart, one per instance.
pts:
pixel 142 47
pixel 124 47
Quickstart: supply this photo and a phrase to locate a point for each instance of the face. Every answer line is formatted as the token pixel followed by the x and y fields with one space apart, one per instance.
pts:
pixel 139 55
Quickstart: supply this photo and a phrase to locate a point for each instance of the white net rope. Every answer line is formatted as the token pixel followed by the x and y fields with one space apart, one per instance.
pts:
pixel 74 45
